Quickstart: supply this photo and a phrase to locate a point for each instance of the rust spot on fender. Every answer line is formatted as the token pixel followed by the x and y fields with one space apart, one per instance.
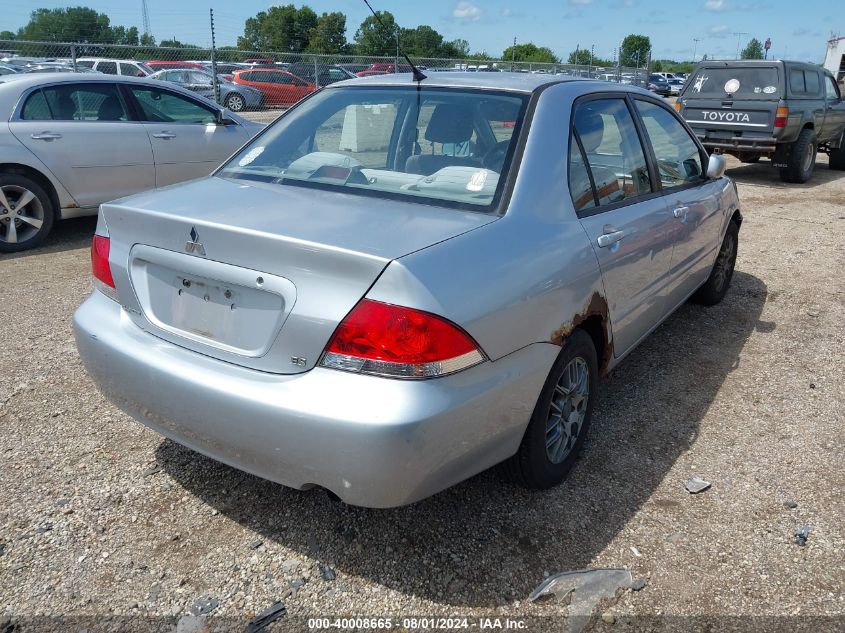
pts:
pixel 596 306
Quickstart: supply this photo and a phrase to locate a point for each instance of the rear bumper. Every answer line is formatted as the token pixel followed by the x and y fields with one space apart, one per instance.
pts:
pixel 372 441
pixel 761 144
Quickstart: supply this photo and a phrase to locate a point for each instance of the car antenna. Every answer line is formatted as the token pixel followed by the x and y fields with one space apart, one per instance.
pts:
pixel 418 74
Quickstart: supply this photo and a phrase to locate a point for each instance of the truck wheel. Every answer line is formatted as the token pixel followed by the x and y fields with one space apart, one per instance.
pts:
pixel 749 158
pixel 559 424
pixel 837 158
pixel 802 158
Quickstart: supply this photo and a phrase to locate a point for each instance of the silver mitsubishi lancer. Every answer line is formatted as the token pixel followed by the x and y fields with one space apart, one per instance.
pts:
pixel 406 280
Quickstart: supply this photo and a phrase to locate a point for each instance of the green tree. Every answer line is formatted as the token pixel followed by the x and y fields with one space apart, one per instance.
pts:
pixel 584 57
pixel 635 50
pixel 329 35
pixel 457 48
pixel 372 38
pixel 529 52
pixel 285 29
pixel 74 24
pixel 147 40
pixel 657 66
pixel 7 35
pixel 754 50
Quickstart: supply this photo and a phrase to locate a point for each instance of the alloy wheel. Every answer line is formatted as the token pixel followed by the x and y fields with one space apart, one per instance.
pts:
pixel 724 263
pixel 567 410
pixel 21 214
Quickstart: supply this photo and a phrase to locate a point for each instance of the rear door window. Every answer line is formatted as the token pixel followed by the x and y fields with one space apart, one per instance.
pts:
pixel 86 102
pixel 739 82
pixel 109 68
pixel 36 108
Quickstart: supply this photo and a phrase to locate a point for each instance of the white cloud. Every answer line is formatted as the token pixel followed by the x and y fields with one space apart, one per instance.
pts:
pixel 718 29
pixel 714 5
pixel 466 11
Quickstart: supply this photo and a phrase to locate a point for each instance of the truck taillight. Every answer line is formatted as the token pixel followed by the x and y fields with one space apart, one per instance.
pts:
pixel 781 115
pixel 388 340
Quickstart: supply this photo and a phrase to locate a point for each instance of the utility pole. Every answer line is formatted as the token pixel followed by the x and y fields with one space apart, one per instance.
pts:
pixel 214 81
pixel 738 42
pixel 592 55
pixel 696 40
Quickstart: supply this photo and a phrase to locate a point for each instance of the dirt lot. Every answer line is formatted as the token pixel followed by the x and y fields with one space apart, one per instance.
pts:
pixel 100 517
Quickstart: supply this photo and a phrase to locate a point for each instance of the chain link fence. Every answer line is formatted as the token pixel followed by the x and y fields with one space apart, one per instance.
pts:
pixel 258 80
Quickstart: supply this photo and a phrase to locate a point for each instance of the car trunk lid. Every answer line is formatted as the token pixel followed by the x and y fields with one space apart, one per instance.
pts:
pixel 257 274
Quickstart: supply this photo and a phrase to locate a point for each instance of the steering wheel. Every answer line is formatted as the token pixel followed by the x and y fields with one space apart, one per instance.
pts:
pixel 494 159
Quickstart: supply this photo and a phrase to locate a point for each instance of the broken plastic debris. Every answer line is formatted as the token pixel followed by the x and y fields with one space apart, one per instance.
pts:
pixel 203 606
pixel 802 534
pixel 587 586
pixel 270 614
pixel 696 485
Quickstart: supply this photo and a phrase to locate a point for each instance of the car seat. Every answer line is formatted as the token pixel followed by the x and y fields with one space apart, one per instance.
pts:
pixel 449 123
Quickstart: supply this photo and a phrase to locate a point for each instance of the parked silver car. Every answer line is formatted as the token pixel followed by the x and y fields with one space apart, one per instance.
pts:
pixel 398 285
pixel 70 142
pixel 235 97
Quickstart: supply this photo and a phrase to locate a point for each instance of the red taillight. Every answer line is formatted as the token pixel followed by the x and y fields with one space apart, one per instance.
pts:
pixel 388 340
pixel 781 115
pixel 100 260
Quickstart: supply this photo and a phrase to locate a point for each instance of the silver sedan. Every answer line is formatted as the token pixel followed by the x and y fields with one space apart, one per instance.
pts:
pixel 400 284
pixel 70 142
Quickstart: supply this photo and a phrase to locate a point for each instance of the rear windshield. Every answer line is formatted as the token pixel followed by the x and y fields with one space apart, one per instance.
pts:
pixel 740 83
pixel 450 147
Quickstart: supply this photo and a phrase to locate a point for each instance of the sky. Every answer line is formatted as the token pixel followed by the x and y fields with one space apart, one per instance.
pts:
pixel 491 25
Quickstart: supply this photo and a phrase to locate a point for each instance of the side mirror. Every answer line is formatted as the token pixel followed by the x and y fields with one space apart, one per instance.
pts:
pixel 222 119
pixel 716 166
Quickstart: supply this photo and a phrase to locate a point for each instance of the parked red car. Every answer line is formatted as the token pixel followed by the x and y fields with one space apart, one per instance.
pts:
pixel 383 69
pixel 279 87
pixel 159 64
pixel 259 60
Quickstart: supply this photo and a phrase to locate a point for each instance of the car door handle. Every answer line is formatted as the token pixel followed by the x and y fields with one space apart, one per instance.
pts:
pixel 681 213
pixel 608 239
pixel 45 136
pixel 165 135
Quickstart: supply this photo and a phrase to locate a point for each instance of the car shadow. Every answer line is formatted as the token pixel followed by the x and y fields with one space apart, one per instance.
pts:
pixel 764 175
pixel 66 235
pixel 485 542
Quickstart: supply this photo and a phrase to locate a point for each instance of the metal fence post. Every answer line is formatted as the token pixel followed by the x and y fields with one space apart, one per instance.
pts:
pixel 73 57
pixel 316 74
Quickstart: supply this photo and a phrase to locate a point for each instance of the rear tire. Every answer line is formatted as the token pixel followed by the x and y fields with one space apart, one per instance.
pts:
pixel 802 158
pixel 749 158
pixel 717 284
pixel 561 417
pixel 836 158
pixel 235 102
pixel 23 226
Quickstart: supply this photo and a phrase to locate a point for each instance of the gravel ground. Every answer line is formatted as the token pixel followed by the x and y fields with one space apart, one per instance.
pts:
pixel 100 517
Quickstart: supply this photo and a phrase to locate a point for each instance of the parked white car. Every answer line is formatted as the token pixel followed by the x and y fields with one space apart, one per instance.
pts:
pixel 130 67
pixel 74 141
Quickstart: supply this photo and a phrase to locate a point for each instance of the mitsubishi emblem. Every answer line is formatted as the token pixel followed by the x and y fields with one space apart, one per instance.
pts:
pixel 194 245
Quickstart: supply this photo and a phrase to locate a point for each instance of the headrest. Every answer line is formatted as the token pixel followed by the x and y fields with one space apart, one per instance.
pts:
pixel 590 128
pixel 450 123
pixel 110 110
